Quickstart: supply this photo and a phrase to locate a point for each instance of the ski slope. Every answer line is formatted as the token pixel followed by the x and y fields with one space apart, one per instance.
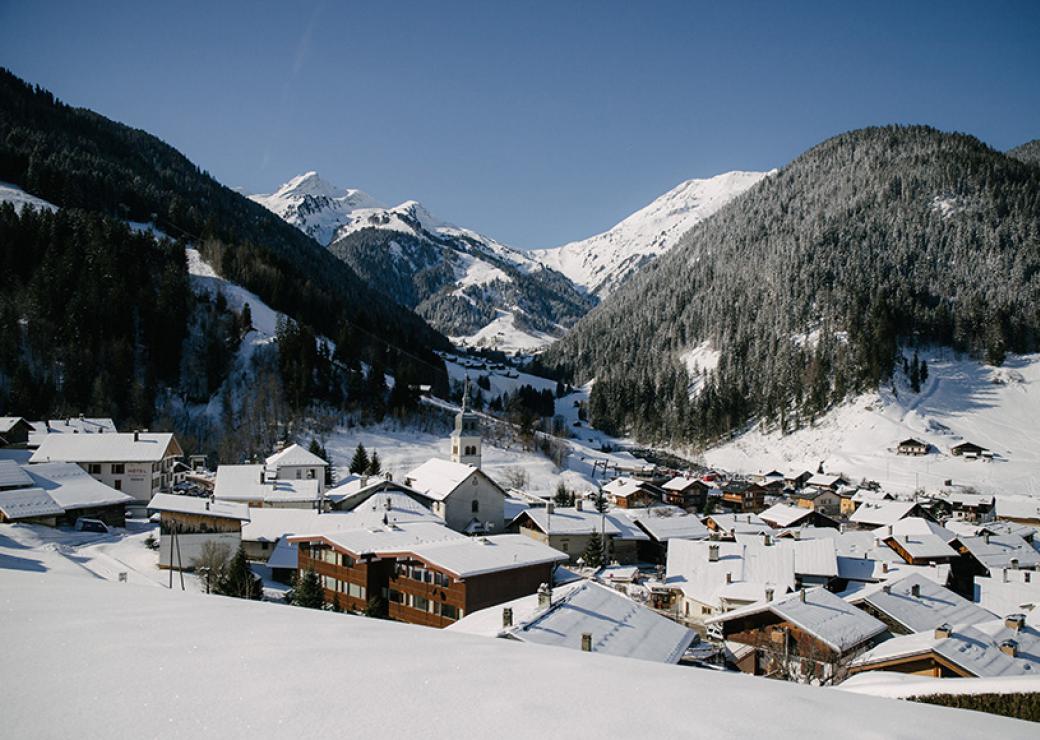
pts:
pixel 962 400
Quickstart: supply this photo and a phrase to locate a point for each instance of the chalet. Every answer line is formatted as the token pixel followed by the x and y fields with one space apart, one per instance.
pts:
pixel 570 530
pixel 870 515
pixel 797 478
pixel 912 446
pixel 662 524
pixel 783 516
pixel 629 493
pixel 822 500
pixel 355 490
pixel 583 616
pixel 766 479
pixel 917 604
pixel 968 450
pixel 14 431
pixel 137 463
pixel 847 505
pixel 989 555
pixel 425 573
pixel 297 463
pixel 79 494
pixel 743 497
pixel 969 506
pixel 187 524
pixel 69 425
pixel 825 481
pixel 709 578
pixel 998 647
pixel 803 636
pixel 686 493
pixel 730 525
pixel 921 549
pixel 463 495
pixel 252 486
pixel 1018 509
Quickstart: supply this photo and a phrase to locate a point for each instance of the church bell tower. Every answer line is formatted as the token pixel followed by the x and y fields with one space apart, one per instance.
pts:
pixel 465 438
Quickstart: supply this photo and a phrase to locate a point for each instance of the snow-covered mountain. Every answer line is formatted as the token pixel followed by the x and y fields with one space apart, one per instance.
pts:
pixel 602 262
pixel 467 285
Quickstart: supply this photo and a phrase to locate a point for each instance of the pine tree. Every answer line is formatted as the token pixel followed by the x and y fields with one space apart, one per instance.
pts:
pixel 563 497
pixel 360 462
pixel 247 317
pixel 600 502
pixel 915 374
pixel 375 467
pixel 924 370
pixel 238 580
pixel 307 591
pixel 593 554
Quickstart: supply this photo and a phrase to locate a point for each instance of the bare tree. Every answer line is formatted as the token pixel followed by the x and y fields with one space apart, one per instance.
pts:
pixel 211 563
pixel 516 477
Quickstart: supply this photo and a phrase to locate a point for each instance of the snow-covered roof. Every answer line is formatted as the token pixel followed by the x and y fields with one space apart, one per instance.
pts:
pixel 923 546
pixel 995 551
pixel 388 659
pixel 74 488
pixel 1018 507
pixel 624 487
pixel 618 625
pixel 1000 528
pixel 295 456
pixel 354 490
pixel 13 475
pixel 26 503
pixel 785 515
pixel 895 685
pixel 571 521
pixel 1008 592
pixel 118 447
pixel 690 569
pixel 474 556
pixel 284 555
pixel 269 524
pixel 933 605
pixel 916 525
pixel 251 483
pixel 739 523
pixel 813 557
pixel 821 614
pixel 383 538
pixel 868 570
pixel 7 423
pixel 866 494
pixel 201 505
pixel 680 483
pixel 824 480
pixel 881 513
pixel 975 648
pixel 438 478
pixel 666 523
pixel 73 425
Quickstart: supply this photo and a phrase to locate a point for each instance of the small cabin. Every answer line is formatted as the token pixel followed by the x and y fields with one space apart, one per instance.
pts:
pixel 913 447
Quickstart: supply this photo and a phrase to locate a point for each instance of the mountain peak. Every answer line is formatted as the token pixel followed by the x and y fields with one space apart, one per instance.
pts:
pixel 309 183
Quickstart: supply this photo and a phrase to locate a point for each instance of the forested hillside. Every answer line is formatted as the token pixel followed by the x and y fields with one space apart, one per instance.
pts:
pixel 806 286
pixel 1028 152
pixel 76 158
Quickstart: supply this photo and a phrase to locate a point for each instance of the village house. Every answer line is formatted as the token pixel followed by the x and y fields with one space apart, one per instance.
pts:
pixel 463 495
pixel 252 485
pixel 847 505
pixel 1018 509
pixel 795 479
pixel 29 506
pixel 355 490
pixel 784 516
pixel 988 555
pixel 686 493
pixel 743 497
pixel 1008 591
pixel 871 514
pixel 297 463
pixel 571 529
pixel 583 615
pixel 912 446
pixel 69 425
pixel 998 647
pixel 424 573
pixel 662 524
pixel 629 493
pixel 921 549
pixel 139 464
pixel 822 500
pixel 730 525
pixel 14 431
pixel 968 450
pixel 917 604
pixel 826 481
pixel 968 506
pixel 187 524
pixel 79 495
pixel 805 636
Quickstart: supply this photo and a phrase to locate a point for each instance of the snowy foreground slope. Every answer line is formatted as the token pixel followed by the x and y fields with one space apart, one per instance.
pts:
pixel 962 400
pixel 602 262
pixel 114 660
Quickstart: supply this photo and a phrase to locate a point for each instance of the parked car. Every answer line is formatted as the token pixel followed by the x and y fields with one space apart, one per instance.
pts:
pixel 83 524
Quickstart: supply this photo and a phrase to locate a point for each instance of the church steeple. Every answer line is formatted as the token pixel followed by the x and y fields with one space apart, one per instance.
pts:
pixel 465 437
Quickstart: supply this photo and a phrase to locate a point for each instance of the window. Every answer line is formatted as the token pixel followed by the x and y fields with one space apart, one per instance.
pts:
pixel 118 485
pixel 475 506
pixel 118 468
pixel 94 469
pixel 355 590
pixel 310 473
pixel 330 583
pixel 449 612
pixel 299 474
pixel 395 597
pixel 421 603
pixel 330 556
pixel 439 579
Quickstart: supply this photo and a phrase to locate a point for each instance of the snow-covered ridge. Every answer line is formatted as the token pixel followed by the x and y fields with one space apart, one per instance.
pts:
pixel 13 194
pixel 602 262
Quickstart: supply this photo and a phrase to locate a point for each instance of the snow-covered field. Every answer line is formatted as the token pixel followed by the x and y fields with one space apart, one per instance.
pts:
pixel 963 399
pixel 115 660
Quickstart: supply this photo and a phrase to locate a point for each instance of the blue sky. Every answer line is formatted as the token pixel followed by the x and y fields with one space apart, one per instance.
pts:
pixel 536 123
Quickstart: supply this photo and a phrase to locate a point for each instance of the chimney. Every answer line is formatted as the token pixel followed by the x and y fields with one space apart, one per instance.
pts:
pixel 387 504
pixel 261 476
pixel 1004 572
pixel 544 596
pixel 943 631
pixel 801 595
pixel 1015 622
pixel 713 553
pixel 137 435
pixel 586 642
pixel 884 566
pixel 207 504
pixel 729 578
pixel 1009 648
pixel 1014 563
pixel 915 590
pixel 887 588
pixel 577 504
pixel 985 538
pixel 769 594
pixel 507 617
pixel 549 508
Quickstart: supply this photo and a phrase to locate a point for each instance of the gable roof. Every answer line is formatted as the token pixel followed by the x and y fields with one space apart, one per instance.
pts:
pixel 295 456
pixel 677 524
pixel 1018 507
pixel 269 524
pixel 73 488
pixel 916 525
pixel 742 571
pixel 880 513
pixel 438 479
pixel 383 538
pixel 934 605
pixel 618 625
pixel 785 515
pixel 200 505
pixel 996 552
pixel 28 503
pixel 570 521
pixel 118 447
pixel 680 483
pixel 243 483
pixel 922 546
pixel 475 556
pixel 739 523
pixel 817 611
pixel 13 475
